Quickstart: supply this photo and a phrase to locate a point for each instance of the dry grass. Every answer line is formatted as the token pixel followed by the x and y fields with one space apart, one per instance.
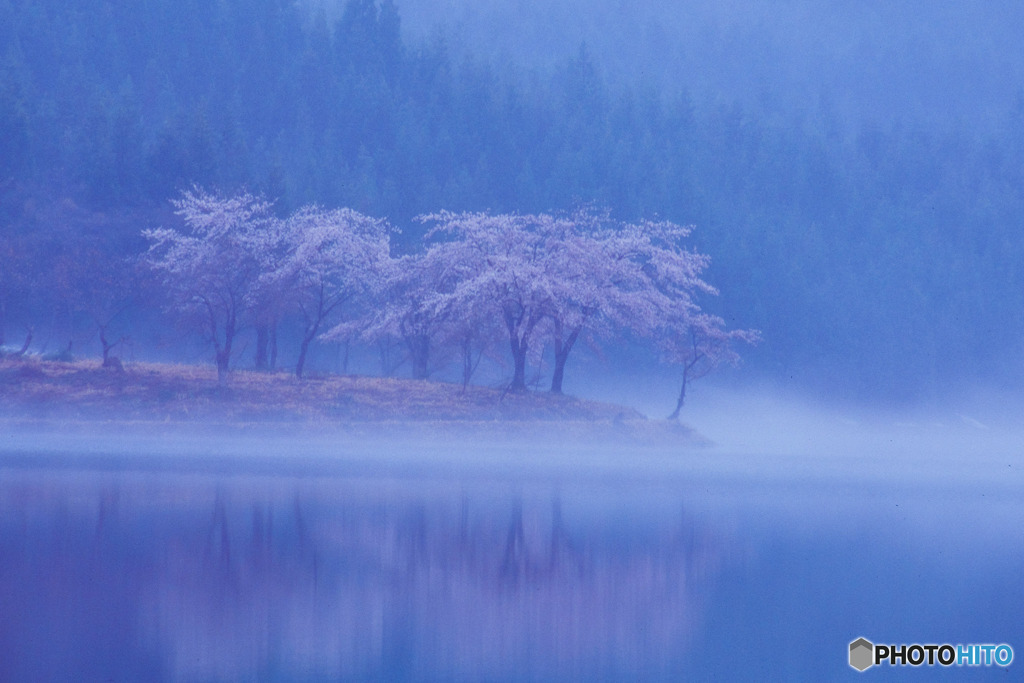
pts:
pixel 154 391
pixel 59 397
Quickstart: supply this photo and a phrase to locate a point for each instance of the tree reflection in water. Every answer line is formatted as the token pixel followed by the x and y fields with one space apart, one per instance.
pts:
pixel 169 576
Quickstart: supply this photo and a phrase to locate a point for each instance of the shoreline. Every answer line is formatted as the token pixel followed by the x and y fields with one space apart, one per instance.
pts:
pixel 50 397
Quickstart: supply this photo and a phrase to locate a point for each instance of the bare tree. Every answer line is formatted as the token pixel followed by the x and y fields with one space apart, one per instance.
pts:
pixel 100 286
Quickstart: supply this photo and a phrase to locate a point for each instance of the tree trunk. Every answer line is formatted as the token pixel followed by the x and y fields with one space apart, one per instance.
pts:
pixel 386 350
pixel 682 396
pixel 224 352
pixel 312 327
pixel 222 367
pixel 519 360
pixel 519 341
pixel 468 365
pixel 273 345
pixel 303 349
pixel 561 355
pixel 106 346
pixel 419 350
pixel 28 342
pixel 559 373
pixel 262 345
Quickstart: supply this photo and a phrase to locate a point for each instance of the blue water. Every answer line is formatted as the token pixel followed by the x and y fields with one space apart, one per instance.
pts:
pixel 183 568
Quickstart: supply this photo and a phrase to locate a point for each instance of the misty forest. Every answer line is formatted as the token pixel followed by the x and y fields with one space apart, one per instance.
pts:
pixel 338 338
pixel 866 225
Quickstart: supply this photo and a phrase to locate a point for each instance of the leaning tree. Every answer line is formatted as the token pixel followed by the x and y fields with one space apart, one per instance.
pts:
pixel 637 277
pixel 700 343
pixel 668 279
pixel 601 285
pixel 604 278
pixel 335 258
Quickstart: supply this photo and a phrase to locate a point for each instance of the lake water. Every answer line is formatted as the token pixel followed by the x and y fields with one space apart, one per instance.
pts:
pixel 254 559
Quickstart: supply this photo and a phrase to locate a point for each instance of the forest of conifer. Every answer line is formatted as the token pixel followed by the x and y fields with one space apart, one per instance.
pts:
pixel 879 257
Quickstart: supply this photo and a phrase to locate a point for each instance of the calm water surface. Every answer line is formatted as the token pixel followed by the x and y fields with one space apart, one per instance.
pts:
pixel 186 567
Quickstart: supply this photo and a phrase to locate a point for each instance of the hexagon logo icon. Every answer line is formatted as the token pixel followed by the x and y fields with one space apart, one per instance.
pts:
pixel 862 654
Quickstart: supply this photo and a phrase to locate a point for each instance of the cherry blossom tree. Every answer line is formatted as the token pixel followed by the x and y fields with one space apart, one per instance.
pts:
pixel 410 308
pixel 599 278
pixel 474 333
pixel 335 257
pixel 505 270
pixel 469 325
pixel 269 298
pixel 663 303
pixel 209 270
pixel 420 308
pixel 600 286
pixel 700 343
pixel 579 285
pixel 613 277
pixel 573 276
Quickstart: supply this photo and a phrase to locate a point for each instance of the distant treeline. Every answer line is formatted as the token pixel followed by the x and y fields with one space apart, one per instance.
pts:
pixel 887 261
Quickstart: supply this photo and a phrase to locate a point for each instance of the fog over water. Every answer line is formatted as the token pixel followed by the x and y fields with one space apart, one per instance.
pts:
pixel 854 172
pixel 199 553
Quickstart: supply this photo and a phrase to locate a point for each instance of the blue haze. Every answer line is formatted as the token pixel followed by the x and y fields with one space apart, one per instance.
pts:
pixel 853 169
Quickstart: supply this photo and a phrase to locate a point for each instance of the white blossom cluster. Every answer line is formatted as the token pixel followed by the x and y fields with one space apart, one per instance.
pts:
pixel 478 281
